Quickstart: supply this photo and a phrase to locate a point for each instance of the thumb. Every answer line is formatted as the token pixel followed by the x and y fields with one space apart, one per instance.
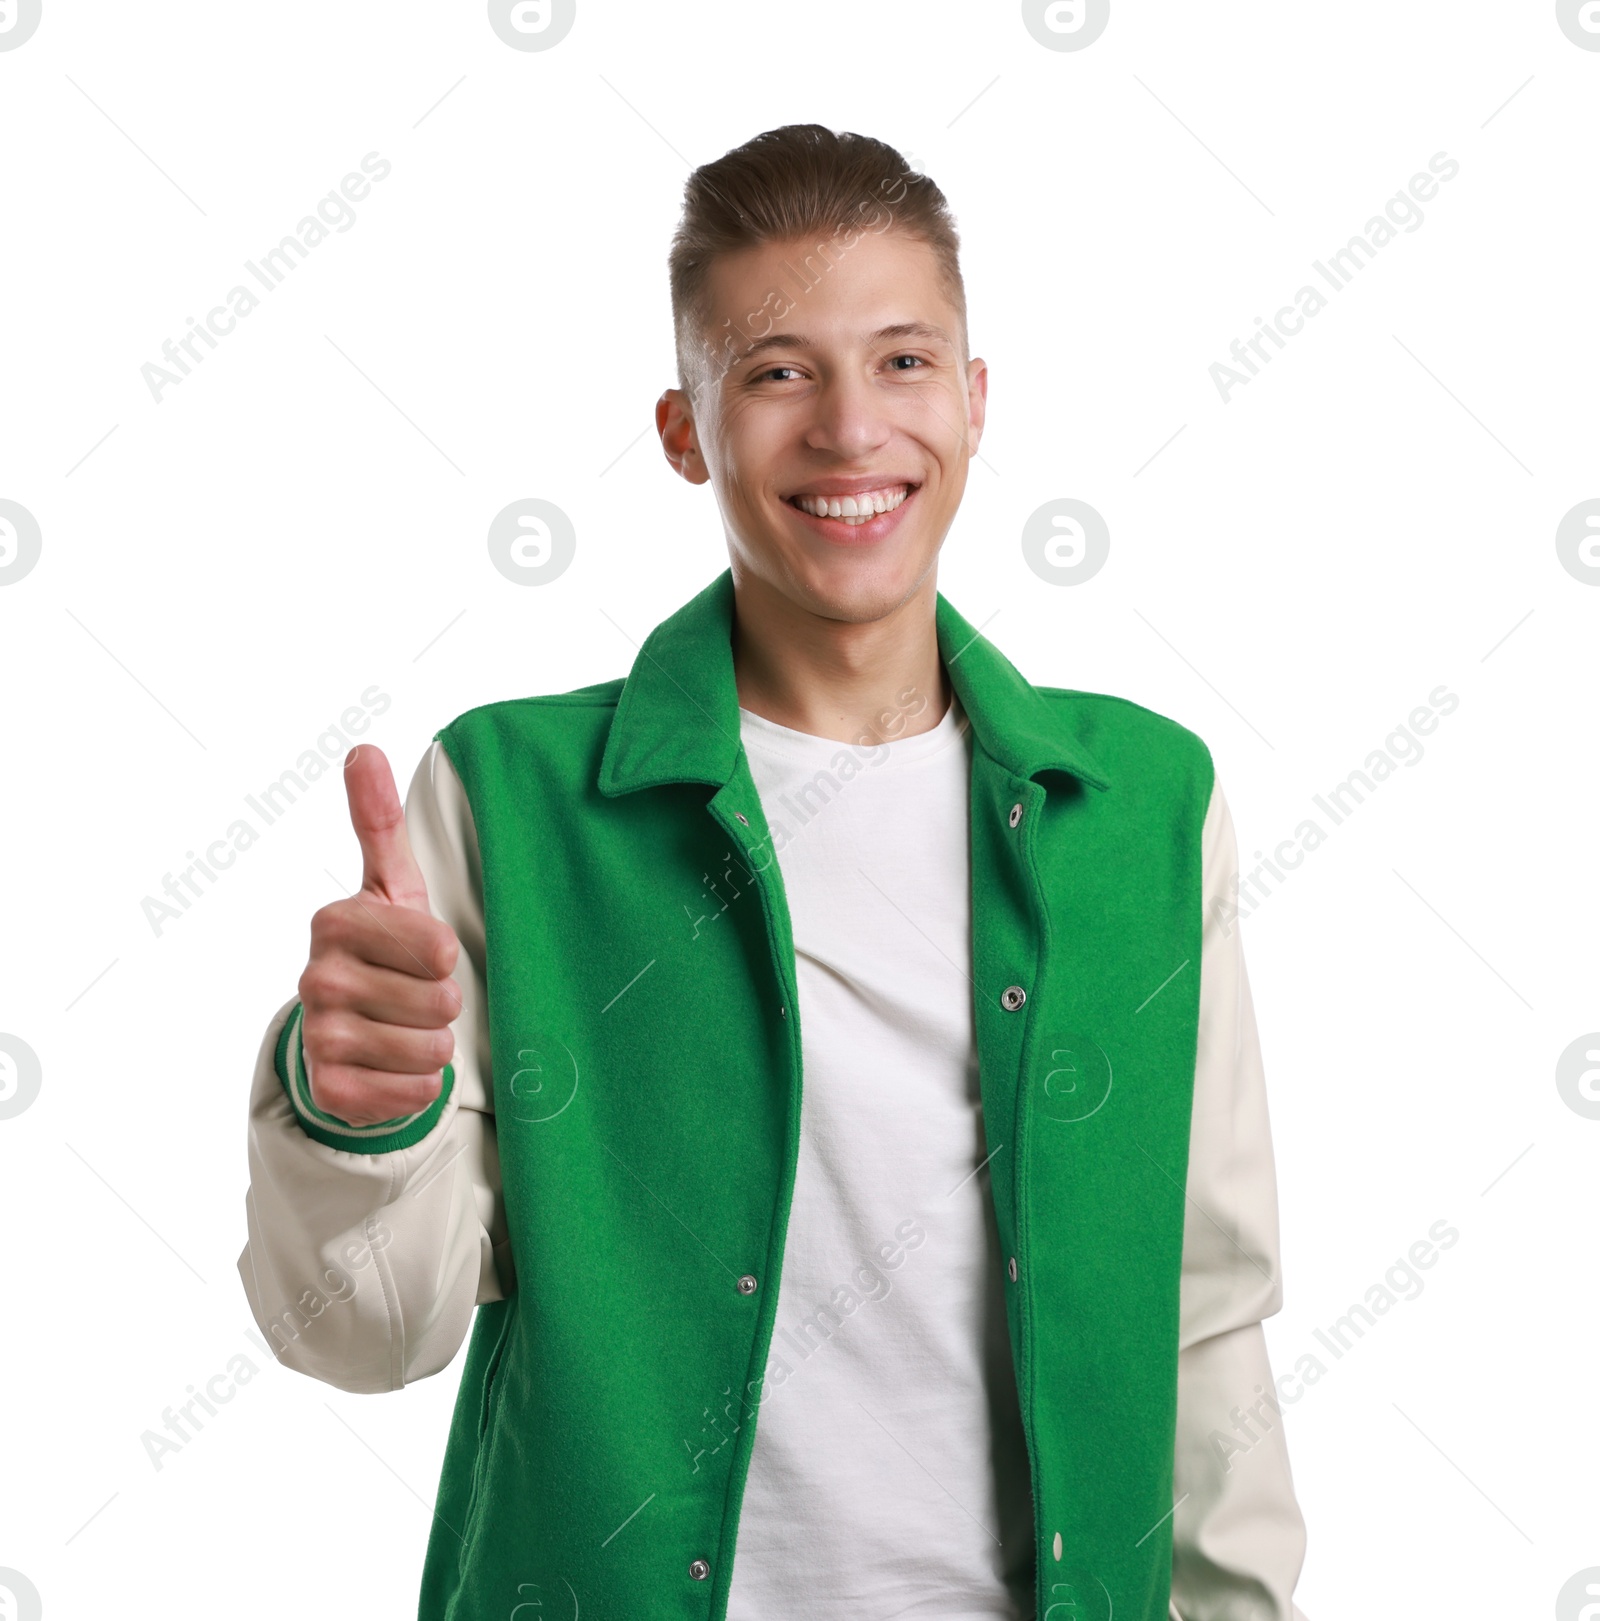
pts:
pixel 388 868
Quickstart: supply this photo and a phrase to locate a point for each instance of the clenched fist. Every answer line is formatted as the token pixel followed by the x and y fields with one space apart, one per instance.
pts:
pixel 377 992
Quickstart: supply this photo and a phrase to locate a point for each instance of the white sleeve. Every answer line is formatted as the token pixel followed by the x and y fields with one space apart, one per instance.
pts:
pixel 1238 1536
pixel 365 1262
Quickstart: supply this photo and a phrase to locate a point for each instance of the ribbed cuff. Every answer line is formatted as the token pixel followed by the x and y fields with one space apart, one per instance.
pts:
pixel 382 1137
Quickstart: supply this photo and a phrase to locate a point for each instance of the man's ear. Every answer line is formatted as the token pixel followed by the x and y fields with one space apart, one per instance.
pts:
pixel 679 444
pixel 977 401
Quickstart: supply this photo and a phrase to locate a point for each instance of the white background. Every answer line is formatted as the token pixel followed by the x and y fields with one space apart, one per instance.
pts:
pixel 1290 576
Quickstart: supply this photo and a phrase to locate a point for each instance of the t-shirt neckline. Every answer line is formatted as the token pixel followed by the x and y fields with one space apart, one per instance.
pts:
pixel 768 737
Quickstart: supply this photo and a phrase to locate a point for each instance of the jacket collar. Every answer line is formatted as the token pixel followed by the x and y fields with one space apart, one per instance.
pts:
pixel 677 719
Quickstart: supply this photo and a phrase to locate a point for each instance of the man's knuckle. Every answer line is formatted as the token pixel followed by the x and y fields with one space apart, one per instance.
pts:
pixel 313 1034
pixel 341 1037
pixel 316 982
pixel 330 983
pixel 331 926
pixel 334 1092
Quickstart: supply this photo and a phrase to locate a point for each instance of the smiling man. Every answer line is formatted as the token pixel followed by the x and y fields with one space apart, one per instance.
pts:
pixel 819 1067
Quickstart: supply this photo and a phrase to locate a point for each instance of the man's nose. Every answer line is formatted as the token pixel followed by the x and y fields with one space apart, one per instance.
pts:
pixel 850 417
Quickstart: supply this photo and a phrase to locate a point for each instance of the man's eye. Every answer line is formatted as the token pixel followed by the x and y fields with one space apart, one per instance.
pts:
pixel 774 371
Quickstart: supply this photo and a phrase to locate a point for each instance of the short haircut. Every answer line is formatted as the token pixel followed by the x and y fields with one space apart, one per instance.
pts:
pixel 806 184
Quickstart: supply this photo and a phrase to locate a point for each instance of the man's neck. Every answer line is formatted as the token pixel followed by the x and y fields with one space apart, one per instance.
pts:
pixel 882 679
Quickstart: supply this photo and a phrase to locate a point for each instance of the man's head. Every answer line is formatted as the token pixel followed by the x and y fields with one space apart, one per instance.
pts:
pixel 821 334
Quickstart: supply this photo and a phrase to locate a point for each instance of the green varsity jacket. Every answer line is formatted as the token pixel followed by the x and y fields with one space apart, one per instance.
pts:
pixel 647 1087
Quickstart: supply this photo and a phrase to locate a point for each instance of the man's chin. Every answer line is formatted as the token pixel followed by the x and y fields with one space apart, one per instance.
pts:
pixel 858 589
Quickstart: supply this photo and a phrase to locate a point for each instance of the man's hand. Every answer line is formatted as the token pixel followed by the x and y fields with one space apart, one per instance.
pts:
pixel 377 992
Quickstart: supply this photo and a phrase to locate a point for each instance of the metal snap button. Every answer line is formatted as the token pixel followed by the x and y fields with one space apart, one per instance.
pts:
pixel 699 1569
pixel 739 816
pixel 1011 1267
pixel 1016 815
pixel 747 1284
pixel 1012 997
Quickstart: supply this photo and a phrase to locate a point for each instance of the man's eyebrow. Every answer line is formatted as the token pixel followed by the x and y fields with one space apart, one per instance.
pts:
pixel 897 333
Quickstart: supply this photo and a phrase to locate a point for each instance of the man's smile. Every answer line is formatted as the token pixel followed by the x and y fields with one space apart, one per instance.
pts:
pixel 857 510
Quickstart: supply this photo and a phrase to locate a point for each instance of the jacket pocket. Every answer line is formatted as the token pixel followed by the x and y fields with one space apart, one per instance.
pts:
pixel 492 1377
pixel 486 1437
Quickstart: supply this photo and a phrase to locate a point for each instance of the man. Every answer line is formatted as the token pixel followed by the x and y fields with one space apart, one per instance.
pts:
pixel 821 1063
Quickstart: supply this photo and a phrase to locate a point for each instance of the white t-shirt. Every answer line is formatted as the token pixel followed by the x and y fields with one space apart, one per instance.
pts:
pixel 889 1475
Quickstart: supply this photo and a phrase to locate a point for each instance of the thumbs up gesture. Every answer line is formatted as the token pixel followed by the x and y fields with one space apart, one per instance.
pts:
pixel 377 993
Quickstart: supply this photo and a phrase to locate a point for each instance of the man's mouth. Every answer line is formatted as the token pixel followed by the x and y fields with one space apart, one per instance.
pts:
pixel 858 508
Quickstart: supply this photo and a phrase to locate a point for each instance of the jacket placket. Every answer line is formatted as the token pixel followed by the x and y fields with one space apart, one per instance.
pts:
pixel 736 808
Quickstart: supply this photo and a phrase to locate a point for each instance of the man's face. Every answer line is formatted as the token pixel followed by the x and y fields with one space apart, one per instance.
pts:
pixel 852 393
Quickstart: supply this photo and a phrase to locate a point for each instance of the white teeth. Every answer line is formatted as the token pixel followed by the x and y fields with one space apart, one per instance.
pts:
pixel 854 509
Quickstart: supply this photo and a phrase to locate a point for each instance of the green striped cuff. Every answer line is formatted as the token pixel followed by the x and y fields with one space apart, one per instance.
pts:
pixel 383 1137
